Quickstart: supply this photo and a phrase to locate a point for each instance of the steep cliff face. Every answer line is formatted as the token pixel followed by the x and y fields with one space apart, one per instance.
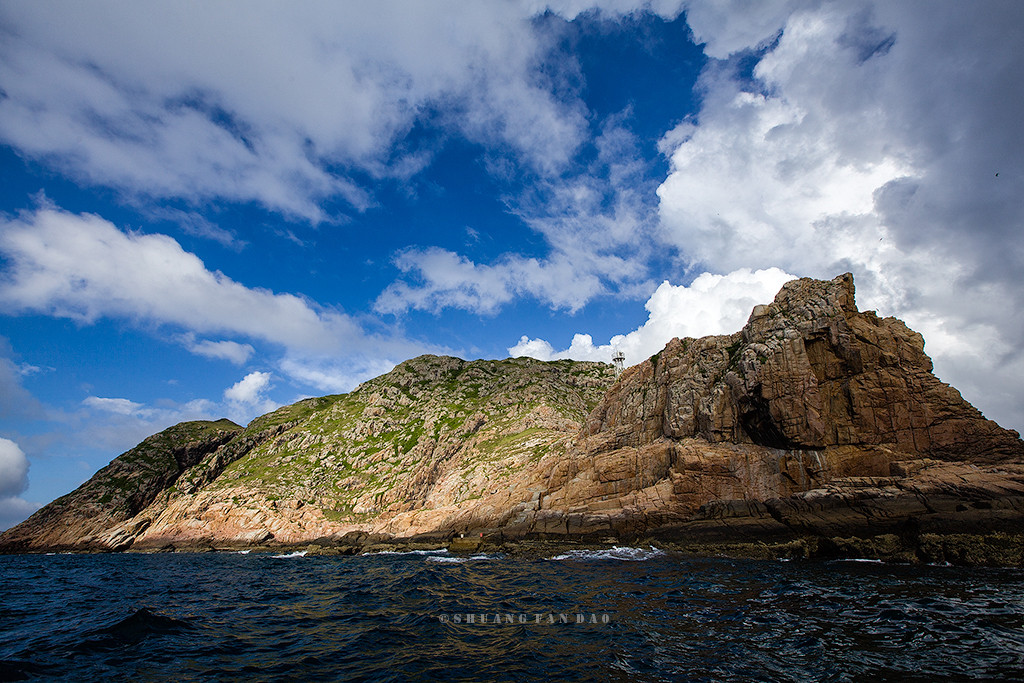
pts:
pixel 814 417
pixel 82 519
pixel 814 420
pixel 808 371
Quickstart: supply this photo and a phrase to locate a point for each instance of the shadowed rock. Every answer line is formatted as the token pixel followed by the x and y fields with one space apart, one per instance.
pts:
pixel 815 421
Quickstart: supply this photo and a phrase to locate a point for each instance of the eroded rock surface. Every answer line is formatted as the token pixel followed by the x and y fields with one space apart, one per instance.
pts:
pixel 815 420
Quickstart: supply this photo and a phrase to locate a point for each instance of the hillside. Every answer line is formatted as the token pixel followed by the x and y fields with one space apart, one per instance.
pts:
pixel 432 435
pixel 816 425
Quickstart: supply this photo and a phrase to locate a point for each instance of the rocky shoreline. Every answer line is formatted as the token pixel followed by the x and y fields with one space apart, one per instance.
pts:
pixel 994 549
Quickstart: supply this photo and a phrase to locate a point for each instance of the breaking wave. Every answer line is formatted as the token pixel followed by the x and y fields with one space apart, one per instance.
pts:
pixel 614 553
pixel 459 560
pixel 438 551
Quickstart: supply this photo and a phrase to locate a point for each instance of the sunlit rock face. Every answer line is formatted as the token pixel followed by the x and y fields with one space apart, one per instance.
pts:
pixel 814 419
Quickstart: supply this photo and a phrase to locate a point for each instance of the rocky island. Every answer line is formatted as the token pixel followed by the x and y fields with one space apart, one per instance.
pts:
pixel 815 431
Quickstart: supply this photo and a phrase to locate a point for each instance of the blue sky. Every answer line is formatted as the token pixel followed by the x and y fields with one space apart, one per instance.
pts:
pixel 213 209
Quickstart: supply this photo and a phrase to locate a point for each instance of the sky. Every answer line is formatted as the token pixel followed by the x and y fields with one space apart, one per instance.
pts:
pixel 214 209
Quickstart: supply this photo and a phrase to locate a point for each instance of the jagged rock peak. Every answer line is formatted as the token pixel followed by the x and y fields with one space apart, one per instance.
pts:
pixel 807 371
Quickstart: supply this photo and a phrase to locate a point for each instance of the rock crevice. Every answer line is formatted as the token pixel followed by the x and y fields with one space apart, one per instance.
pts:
pixel 814 420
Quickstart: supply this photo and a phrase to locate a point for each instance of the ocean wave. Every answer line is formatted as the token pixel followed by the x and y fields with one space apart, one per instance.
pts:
pixel 297 553
pixel 438 551
pixel 460 560
pixel 624 554
pixel 141 624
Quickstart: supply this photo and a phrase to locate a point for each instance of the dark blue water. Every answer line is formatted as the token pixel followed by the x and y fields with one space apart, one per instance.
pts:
pixel 185 617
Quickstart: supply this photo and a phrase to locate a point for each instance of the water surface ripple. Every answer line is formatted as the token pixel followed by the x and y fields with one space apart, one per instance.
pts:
pixel 398 617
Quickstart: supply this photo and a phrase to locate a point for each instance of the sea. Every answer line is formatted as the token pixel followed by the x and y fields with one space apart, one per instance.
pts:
pixel 620 614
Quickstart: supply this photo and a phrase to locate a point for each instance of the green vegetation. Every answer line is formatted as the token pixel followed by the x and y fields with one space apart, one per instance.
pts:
pixel 431 419
pixel 733 351
pixel 295 411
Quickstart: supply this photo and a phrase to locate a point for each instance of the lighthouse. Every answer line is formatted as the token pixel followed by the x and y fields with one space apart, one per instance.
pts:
pixel 618 359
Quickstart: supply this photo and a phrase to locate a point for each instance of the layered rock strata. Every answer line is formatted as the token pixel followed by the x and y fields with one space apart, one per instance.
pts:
pixel 814 421
pixel 815 418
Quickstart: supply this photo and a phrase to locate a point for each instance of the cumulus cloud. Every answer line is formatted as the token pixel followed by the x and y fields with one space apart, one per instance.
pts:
pixel 729 26
pixel 82 267
pixel 856 144
pixel 118 424
pixel 570 9
pixel 14 511
pixel 443 279
pixel 13 469
pixel 711 304
pixel 13 482
pixel 107 93
pixel 249 389
pixel 247 398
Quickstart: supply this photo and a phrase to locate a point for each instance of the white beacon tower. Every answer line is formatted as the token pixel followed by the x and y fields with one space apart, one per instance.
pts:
pixel 618 359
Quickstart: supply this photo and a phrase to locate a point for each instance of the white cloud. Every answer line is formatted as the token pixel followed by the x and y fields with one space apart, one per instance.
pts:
pixel 197 225
pixel 860 146
pixel 247 398
pixel 118 406
pixel 667 9
pixel 117 424
pixel 728 26
pixel 13 481
pixel 225 350
pixel 333 375
pixel 82 267
pixel 13 469
pixel 598 224
pixel 271 103
pixel 249 389
pixel 444 279
pixel 711 304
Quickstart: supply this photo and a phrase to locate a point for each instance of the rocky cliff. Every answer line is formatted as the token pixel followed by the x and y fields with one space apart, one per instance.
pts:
pixel 816 422
pixel 814 419
pixel 117 493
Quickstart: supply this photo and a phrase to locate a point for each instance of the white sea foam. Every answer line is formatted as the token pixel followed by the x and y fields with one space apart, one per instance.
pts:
pixel 614 553
pixel 298 553
pixel 438 551
pixel 244 552
pixel 857 559
pixel 459 560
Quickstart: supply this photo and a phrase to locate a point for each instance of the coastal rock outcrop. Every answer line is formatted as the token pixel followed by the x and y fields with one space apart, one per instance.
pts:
pixel 815 421
pixel 85 518
pixel 815 418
